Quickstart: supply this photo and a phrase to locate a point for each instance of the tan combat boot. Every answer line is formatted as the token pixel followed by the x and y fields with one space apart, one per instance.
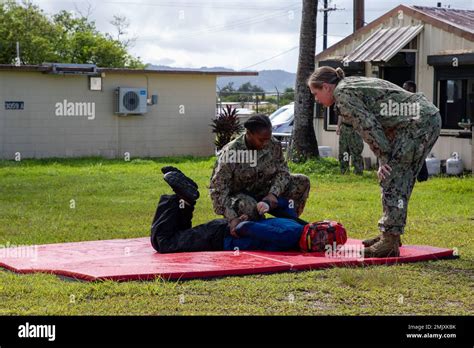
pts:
pixel 387 246
pixel 372 241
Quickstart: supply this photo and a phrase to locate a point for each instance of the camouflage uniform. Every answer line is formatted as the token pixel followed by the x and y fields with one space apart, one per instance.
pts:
pixel 400 138
pixel 350 146
pixel 236 188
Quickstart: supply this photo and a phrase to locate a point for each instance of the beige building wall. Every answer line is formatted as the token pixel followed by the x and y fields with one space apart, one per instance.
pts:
pixel 165 130
pixel 431 40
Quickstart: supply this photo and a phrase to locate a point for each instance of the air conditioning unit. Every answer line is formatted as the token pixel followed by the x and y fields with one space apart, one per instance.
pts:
pixel 130 101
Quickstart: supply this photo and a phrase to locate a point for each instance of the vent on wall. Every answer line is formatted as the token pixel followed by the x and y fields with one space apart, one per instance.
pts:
pixel 130 101
pixel 71 69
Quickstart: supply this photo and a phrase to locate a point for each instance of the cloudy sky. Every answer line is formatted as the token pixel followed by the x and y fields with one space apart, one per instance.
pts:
pixel 237 34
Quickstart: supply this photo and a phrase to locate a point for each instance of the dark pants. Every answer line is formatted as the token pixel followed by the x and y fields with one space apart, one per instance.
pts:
pixel 423 174
pixel 172 230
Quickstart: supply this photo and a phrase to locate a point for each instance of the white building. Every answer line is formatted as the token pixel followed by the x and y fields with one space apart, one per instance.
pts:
pixel 59 110
pixel 433 47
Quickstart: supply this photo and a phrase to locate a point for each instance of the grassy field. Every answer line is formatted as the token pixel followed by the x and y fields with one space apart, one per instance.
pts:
pixel 116 199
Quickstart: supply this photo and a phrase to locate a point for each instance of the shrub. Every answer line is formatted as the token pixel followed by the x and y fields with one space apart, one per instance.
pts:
pixel 226 125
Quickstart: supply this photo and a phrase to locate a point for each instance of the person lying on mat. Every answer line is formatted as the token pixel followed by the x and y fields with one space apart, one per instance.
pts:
pixel 172 230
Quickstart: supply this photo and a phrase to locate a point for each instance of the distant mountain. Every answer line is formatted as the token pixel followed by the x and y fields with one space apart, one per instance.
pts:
pixel 267 79
pixel 204 68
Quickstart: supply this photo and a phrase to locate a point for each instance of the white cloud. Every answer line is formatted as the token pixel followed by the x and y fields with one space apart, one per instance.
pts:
pixel 231 33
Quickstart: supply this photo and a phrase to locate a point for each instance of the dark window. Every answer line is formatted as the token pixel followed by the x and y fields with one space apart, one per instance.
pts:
pixel 331 116
pixel 455 100
pixel 400 68
pixel 454 95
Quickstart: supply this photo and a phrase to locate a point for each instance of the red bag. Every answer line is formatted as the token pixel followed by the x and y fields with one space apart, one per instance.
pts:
pixel 318 234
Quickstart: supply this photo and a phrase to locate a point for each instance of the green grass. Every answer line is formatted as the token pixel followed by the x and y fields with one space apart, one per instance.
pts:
pixel 117 199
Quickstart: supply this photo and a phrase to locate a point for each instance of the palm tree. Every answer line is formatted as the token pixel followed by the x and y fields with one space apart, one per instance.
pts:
pixel 305 144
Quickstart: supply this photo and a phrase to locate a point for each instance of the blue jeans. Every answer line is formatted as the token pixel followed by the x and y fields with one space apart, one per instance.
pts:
pixel 274 234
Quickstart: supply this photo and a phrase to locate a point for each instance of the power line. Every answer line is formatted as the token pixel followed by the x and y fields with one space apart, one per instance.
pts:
pixel 266 60
pixel 249 21
pixel 201 4
pixel 245 22
pixel 230 6
pixel 192 3
pixel 253 20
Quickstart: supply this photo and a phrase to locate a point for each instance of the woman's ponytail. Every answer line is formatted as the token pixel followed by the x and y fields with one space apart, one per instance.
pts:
pixel 340 73
pixel 325 74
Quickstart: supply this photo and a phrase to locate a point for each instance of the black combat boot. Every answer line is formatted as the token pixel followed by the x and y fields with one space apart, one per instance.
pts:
pixel 168 169
pixel 182 186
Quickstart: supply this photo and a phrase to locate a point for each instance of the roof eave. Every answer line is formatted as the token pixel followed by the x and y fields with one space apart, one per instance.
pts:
pixel 360 31
pixel 45 69
pixel 415 13
pixel 182 72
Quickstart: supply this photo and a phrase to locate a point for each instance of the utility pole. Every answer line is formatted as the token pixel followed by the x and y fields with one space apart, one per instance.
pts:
pixel 326 11
pixel 325 25
pixel 359 19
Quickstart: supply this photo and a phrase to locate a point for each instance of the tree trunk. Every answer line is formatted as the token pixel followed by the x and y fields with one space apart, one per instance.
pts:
pixel 305 145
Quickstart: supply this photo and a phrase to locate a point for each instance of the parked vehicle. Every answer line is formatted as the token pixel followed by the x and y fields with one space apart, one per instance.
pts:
pixel 283 119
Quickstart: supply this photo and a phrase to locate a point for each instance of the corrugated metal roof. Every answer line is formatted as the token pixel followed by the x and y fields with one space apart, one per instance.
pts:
pixel 457 22
pixel 463 19
pixel 383 44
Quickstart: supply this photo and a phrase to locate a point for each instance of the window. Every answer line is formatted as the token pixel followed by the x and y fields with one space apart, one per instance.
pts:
pixel 455 101
pixel 331 116
pixel 454 96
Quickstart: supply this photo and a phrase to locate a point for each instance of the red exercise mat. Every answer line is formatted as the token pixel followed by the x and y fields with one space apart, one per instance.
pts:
pixel 135 259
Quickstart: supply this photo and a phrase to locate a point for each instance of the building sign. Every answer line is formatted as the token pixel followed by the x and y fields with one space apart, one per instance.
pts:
pixel 14 105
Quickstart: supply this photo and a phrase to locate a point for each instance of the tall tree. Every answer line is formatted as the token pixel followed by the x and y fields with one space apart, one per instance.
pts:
pixel 305 144
pixel 121 24
pixel 62 38
pixel 26 24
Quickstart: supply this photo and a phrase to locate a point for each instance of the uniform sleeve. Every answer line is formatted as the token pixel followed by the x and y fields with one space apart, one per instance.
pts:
pixel 282 175
pixel 353 110
pixel 219 190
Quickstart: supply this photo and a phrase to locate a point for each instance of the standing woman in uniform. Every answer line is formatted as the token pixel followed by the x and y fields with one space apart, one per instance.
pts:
pixel 400 128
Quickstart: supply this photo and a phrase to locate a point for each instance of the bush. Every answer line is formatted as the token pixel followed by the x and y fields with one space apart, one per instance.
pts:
pixel 226 125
